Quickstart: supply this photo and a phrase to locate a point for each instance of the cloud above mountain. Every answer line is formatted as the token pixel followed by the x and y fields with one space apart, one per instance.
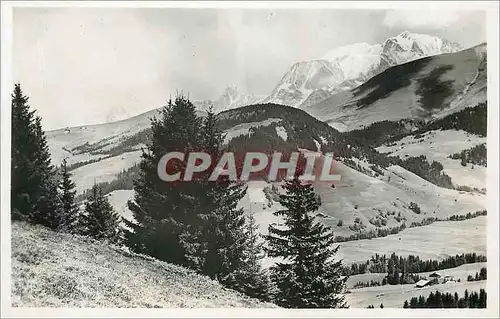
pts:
pixel 421 18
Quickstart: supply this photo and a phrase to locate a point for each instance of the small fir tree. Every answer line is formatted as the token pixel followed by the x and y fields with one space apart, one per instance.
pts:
pixel 100 221
pixel 68 193
pixel 308 277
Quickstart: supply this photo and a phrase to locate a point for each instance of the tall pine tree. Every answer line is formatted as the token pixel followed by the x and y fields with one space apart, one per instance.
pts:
pixel 214 241
pixel 99 221
pixel 162 210
pixel 34 195
pixel 68 204
pixel 23 188
pixel 222 243
pixel 193 223
pixel 308 277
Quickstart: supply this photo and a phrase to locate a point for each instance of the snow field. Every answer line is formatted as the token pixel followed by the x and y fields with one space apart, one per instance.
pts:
pixel 394 296
pixel 460 272
pixel 437 146
pixel 105 170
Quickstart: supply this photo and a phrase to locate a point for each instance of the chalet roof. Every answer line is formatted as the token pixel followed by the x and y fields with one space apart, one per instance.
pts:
pixel 422 283
pixel 435 274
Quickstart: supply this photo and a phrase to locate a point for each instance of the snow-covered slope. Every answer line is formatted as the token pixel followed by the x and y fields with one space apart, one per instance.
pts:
pixel 349 66
pixel 119 199
pixel 438 146
pixel 105 170
pixel 63 143
pixel 387 198
pixel 366 197
pixel 460 272
pixel 395 296
pixel 90 142
pixel 409 91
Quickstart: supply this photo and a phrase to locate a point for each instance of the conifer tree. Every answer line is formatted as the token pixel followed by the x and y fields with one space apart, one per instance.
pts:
pixel 308 277
pixel 482 298
pixel 23 187
pixel 99 221
pixel 68 193
pixel 193 223
pixel 48 208
pixel 162 210
pixel 34 195
pixel 220 244
pixel 251 279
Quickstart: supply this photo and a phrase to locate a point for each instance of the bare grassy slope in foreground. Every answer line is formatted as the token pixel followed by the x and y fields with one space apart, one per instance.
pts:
pixel 60 270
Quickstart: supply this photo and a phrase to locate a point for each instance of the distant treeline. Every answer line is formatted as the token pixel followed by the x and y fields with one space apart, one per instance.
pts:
pixel 124 180
pixel 471 119
pixel 430 172
pixel 380 232
pixel 411 264
pixel 468 216
pixel 476 155
pixel 83 163
pixel 380 132
pixel 481 275
pixel 128 144
pixel 383 232
pixel 447 300
pixel 407 279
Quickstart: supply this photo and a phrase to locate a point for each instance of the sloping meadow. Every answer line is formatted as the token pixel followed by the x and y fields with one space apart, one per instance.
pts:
pixel 62 270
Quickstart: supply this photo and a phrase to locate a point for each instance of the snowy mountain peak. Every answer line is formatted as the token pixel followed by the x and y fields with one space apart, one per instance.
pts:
pixel 354 64
pixel 409 46
pixel 355 60
pixel 229 95
pixel 405 34
pixel 232 97
pixel 303 78
pixel 307 74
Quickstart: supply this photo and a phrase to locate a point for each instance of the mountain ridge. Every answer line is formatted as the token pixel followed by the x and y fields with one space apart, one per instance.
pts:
pixel 423 89
pixel 355 64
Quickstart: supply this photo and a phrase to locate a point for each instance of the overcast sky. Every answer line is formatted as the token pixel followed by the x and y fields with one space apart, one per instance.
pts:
pixel 91 65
